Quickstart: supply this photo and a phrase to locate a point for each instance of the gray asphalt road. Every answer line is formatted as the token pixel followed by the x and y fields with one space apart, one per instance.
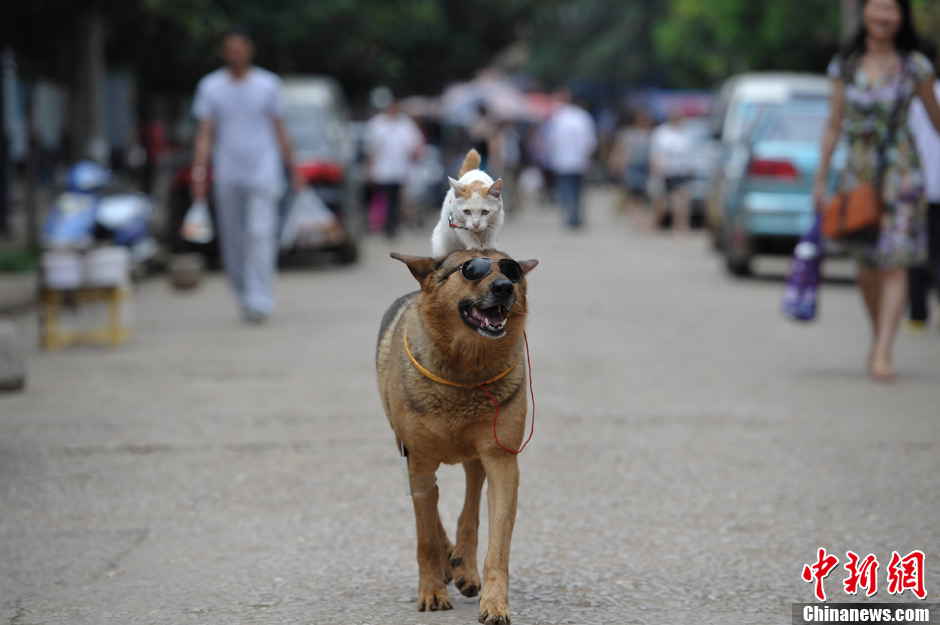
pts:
pixel 692 451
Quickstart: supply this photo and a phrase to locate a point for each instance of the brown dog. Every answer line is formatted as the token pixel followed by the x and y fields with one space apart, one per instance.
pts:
pixel 436 347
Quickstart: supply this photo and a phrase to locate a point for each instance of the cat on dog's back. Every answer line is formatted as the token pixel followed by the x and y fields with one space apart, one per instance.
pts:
pixel 472 213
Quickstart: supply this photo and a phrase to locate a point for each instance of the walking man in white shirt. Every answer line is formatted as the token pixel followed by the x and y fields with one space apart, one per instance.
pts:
pixel 570 140
pixel 240 112
pixel 920 279
pixel 393 142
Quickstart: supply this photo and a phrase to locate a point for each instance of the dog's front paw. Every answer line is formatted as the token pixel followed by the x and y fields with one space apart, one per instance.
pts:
pixel 466 578
pixel 494 611
pixel 433 597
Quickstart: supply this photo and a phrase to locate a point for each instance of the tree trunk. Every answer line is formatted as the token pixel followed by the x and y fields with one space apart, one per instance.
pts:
pixel 87 117
pixel 4 154
pixel 31 180
pixel 851 16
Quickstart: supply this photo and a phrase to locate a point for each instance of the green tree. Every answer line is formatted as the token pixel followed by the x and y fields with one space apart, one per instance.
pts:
pixel 927 16
pixel 414 46
pixel 705 42
pixel 594 40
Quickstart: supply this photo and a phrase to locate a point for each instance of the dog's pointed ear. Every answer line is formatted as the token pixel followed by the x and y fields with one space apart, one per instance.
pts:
pixel 528 265
pixel 420 266
pixel 496 188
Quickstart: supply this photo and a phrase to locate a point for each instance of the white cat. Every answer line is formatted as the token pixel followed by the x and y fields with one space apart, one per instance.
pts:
pixel 472 214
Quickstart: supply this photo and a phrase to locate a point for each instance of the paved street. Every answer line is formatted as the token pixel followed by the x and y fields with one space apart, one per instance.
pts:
pixel 692 451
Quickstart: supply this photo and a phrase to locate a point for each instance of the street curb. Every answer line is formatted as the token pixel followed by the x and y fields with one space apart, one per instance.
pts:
pixel 17 293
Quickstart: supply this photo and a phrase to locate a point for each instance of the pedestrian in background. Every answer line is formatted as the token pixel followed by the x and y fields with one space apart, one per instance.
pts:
pixel 920 278
pixel 874 80
pixel 671 169
pixel 570 140
pixel 505 162
pixel 482 132
pixel 240 112
pixel 393 142
pixel 156 145
pixel 629 161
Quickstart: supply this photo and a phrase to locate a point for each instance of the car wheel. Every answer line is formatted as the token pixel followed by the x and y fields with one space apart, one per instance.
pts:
pixel 714 235
pixel 737 253
pixel 738 266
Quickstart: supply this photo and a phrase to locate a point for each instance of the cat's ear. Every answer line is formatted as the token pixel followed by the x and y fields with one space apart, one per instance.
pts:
pixel 456 186
pixel 495 189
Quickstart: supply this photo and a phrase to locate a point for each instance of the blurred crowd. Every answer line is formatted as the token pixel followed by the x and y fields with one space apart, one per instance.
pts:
pixel 744 161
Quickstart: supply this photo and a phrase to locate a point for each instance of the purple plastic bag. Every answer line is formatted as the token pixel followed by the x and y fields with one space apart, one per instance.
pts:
pixel 799 299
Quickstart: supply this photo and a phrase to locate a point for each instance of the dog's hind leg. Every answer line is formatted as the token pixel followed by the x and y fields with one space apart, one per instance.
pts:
pixel 432 551
pixel 463 558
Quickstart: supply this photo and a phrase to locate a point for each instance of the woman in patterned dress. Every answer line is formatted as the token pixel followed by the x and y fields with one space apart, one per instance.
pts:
pixel 879 70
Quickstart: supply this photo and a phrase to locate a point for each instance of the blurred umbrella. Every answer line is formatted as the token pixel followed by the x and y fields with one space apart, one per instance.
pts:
pixel 460 102
pixel 421 107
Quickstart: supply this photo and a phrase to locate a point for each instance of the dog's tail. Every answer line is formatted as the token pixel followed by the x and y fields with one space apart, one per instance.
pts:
pixel 470 162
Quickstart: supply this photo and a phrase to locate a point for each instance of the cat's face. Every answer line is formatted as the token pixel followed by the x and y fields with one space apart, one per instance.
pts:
pixel 476 205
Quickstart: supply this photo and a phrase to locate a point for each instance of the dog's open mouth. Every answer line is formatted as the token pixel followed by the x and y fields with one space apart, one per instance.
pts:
pixel 489 322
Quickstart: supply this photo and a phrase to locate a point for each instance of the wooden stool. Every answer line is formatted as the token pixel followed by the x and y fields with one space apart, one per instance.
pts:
pixel 51 303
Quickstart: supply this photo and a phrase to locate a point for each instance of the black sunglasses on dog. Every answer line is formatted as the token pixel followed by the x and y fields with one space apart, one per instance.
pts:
pixel 478 268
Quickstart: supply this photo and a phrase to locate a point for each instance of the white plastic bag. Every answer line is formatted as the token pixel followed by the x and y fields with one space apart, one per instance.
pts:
pixel 197 225
pixel 308 223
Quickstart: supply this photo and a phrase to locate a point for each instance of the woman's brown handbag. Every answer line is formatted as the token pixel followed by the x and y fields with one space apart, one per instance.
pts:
pixel 853 214
pixel 856 214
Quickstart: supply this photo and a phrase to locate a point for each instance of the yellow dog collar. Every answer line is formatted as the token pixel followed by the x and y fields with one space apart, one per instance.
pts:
pixel 436 378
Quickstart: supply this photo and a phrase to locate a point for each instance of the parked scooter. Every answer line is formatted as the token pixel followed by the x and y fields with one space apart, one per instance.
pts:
pixel 92 210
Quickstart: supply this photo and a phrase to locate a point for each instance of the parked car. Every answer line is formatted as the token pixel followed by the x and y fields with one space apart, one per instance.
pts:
pixel 768 194
pixel 317 120
pixel 739 101
pixel 704 159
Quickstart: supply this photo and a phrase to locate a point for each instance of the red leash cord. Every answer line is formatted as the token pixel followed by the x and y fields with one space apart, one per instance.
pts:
pixel 482 386
pixel 450 222
pixel 495 404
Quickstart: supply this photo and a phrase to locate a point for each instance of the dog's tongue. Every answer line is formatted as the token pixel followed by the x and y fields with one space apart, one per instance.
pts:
pixel 478 314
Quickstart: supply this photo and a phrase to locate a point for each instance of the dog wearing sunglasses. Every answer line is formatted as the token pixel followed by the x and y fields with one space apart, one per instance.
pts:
pixel 438 349
pixel 472 213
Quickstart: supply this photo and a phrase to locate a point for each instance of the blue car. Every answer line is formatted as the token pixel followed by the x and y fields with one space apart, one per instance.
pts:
pixel 768 202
